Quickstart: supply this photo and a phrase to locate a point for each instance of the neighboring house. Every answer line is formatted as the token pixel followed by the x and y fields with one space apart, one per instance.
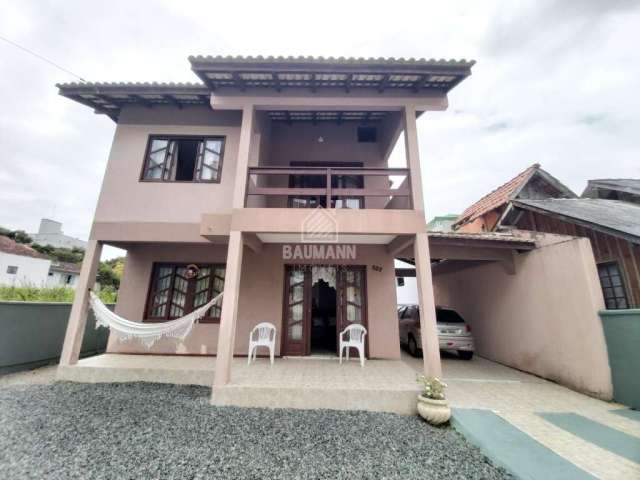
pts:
pixel 50 233
pixel 533 183
pixel 608 214
pixel 21 265
pixel 443 223
pixel 625 189
pixel 610 223
pixel 63 274
pixel 269 180
pixel 406 283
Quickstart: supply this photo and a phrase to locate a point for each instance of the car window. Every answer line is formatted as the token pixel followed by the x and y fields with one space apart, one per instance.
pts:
pixel 444 315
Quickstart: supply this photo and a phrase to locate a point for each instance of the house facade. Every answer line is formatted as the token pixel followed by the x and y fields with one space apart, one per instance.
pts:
pixel 63 274
pixel 268 181
pixel 21 265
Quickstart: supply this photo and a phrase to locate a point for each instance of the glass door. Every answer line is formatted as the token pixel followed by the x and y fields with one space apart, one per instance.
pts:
pixel 352 298
pixel 296 311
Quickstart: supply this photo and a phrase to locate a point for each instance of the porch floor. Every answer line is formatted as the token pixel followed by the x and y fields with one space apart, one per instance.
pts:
pixel 381 385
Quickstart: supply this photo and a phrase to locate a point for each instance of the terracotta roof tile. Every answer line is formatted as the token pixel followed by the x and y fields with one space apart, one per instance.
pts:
pixel 8 245
pixel 497 197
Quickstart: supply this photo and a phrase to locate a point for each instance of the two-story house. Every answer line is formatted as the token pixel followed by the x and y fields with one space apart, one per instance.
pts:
pixel 268 180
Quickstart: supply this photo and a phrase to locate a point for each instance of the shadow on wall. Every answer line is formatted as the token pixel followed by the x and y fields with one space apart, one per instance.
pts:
pixel 543 319
pixel 622 331
pixel 33 334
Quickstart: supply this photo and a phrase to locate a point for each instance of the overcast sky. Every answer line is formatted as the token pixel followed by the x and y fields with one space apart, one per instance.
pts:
pixel 556 82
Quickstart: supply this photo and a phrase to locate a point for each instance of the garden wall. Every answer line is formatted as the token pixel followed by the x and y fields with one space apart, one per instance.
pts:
pixel 32 334
pixel 622 333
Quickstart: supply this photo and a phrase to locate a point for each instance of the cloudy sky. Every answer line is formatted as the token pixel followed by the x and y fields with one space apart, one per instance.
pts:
pixel 556 82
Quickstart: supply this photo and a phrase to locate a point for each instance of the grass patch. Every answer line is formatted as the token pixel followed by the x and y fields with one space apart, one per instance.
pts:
pixel 49 294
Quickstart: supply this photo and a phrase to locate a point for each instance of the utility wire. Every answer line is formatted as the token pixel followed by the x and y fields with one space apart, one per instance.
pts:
pixel 50 62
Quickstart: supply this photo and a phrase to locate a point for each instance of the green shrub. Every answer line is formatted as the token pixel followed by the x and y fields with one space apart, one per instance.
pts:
pixel 432 387
pixel 49 294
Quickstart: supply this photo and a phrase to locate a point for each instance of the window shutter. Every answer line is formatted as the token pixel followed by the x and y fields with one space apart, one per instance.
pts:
pixel 199 160
pixel 169 161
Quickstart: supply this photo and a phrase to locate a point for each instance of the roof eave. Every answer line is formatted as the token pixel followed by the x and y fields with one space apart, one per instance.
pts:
pixel 579 221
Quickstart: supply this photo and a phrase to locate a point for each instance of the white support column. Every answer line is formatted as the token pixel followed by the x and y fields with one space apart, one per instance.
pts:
pixel 80 307
pixel 428 328
pixel 244 155
pixel 413 156
pixel 229 314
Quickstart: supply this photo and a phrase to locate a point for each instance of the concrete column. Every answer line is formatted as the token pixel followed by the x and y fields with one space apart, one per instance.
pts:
pixel 244 155
pixel 428 329
pixel 413 156
pixel 229 314
pixel 80 307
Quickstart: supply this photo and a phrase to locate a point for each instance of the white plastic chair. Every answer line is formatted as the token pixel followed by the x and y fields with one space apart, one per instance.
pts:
pixel 356 334
pixel 266 337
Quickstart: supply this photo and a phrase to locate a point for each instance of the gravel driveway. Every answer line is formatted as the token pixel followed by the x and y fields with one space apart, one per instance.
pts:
pixel 122 431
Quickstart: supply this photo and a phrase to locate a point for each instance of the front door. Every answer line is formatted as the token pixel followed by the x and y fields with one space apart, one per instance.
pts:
pixel 308 302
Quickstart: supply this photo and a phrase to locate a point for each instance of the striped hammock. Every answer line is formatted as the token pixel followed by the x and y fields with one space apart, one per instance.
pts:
pixel 147 333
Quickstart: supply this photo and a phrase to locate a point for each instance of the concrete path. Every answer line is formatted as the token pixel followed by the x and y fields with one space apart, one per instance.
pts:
pixel 601 443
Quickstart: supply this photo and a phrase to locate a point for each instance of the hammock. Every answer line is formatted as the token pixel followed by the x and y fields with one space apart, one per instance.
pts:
pixel 147 333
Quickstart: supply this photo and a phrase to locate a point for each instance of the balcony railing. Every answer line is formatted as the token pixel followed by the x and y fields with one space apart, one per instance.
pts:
pixel 333 187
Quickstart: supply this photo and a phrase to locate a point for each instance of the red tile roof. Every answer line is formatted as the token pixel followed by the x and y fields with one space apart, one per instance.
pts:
pixel 10 246
pixel 497 197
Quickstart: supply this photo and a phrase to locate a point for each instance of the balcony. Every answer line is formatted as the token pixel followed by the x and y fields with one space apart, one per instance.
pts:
pixel 328 187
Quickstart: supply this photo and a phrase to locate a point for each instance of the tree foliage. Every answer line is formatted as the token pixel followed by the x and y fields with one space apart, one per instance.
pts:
pixel 20 236
pixel 110 272
pixel 61 254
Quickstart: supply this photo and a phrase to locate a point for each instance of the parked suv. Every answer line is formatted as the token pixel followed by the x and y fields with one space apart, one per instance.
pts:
pixel 453 332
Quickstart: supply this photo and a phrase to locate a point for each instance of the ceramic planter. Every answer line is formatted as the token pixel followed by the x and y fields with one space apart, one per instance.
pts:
pixel 436 412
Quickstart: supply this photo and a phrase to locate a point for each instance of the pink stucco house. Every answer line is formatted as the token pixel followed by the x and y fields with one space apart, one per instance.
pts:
pixel 270 180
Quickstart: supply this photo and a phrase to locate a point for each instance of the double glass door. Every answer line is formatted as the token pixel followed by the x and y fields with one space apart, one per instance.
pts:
pixel 300 301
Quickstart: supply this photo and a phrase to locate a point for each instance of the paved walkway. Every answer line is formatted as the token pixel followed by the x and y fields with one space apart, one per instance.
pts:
pixel 521 398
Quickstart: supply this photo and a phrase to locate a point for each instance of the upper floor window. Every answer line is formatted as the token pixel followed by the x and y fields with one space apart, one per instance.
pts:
pixel 615 295
pixel 183 159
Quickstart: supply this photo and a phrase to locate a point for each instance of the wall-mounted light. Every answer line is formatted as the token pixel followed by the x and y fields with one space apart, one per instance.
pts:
pixel 320 139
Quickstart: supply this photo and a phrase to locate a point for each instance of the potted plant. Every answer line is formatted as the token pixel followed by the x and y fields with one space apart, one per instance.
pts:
pixel 432 405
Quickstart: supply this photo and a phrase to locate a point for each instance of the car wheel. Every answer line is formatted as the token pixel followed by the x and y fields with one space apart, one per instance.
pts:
pixel 413 346
pixel 465 355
